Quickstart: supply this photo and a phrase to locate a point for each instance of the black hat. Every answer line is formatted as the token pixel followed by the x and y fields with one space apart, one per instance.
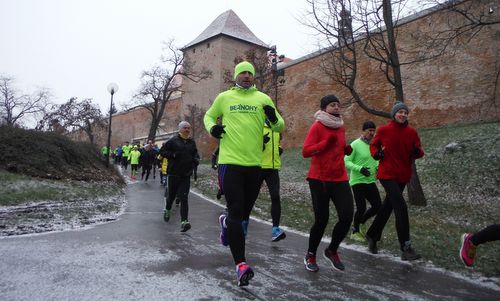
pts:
pixel 369 125
pixel 328 99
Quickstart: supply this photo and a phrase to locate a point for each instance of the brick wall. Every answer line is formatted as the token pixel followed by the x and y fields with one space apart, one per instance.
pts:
pixel 454 88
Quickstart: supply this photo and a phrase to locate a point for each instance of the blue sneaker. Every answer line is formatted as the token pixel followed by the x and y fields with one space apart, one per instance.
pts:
pixel 278 234
pixel 244 225
pixel 244 273
pixel 223 230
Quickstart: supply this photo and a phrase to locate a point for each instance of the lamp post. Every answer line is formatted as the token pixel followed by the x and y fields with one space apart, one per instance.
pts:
pixel 275 59
pixel 112 88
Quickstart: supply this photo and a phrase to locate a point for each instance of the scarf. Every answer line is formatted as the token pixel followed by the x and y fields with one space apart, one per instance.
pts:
pixel 329 120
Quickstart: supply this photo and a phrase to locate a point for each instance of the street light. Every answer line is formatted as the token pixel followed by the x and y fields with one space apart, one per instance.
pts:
pixel 112 88
pixel 275 59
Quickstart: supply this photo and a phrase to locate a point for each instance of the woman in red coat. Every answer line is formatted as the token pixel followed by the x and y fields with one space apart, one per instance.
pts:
pixel 396 145
pixel 325 144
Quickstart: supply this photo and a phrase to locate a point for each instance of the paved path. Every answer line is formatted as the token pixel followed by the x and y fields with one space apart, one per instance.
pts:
pixel 140 257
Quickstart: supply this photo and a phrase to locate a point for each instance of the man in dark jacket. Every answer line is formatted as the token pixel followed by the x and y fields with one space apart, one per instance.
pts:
pixel 182 156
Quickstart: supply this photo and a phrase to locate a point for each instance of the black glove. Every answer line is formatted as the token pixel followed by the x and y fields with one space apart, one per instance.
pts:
pixel 365 171
pixel 217 131
pixel 416 151
pixel 214 161
pixel 266 138
pixel 270 113
pixel 347 150
pixel 379 154
pixel 280 150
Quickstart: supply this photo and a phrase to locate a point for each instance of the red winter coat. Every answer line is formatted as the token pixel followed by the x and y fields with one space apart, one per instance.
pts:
pixel 399 141
pixel 326 147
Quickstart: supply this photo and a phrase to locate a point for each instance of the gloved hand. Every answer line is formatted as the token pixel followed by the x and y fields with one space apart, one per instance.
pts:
pixel 217 131
pixel 365 171
pixel 347 150
pixel 214 161
pixel 416 151
pixel 266 138
pixel 379 154
pixel 280 150
pixel 270 113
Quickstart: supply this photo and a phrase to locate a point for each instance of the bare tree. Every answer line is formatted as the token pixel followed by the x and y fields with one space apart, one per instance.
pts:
pixel 14 108
pixel 73 116
pixel 464 20
pixel 352 28
pixel 195 118
pixel 161 83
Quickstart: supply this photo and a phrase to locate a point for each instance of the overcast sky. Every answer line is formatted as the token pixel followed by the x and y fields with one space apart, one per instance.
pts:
pixel 77 47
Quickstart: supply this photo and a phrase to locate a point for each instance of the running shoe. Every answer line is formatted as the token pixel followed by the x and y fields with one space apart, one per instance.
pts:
pixel 166 215
pixel 185 225
pixel 223 230
pixel 334 259
pixel 467 250
pixel 310 262
pixel 357 236
pixel 244 273
pixel 372 245
pixel 409 254
pixel 363 228
pixel 277 234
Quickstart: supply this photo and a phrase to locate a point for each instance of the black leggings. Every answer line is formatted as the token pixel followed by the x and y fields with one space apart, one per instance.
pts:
pixel 340 194
pixel 241 187
pixel 272 179
pixel 178 187
pixel 490 233
pixel 146 169
pixel 370 193
pixel 394 200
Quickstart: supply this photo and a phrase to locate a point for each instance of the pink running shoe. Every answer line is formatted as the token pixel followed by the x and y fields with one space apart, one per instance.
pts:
pixel 244 273
pixel 467 250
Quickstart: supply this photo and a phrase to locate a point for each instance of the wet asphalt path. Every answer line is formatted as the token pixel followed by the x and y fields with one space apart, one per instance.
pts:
pixel 140 257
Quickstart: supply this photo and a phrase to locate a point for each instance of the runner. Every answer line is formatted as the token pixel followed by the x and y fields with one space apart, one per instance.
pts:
pixel 396 145
pixel 182 156
pixel 325 144
pixel 134 158
pixel 362 169
pixel 242 110
pixel 470 242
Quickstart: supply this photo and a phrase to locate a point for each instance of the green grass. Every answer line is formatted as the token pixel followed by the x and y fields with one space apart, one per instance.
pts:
pixel 461 187
pixel 17 189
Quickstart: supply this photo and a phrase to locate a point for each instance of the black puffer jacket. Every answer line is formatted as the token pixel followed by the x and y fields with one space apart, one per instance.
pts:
pixel 182 156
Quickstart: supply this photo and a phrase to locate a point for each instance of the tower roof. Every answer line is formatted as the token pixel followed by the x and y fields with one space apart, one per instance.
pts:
pixel 229 24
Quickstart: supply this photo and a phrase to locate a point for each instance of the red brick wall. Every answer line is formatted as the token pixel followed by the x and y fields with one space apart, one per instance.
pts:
pixel 454 88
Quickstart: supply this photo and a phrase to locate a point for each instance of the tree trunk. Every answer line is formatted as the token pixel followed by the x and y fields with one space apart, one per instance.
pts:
pixel 415 193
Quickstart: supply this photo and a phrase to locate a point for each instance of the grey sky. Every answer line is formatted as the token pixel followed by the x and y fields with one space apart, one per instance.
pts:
pixel 77 47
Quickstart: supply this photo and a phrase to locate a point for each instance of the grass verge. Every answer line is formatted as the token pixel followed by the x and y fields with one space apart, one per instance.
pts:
pixel 462 187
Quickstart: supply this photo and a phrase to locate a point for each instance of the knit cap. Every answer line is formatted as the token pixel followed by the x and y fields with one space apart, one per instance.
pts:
pixel 398 106
pixel 242 67
pixel 328 99
pixel 369 125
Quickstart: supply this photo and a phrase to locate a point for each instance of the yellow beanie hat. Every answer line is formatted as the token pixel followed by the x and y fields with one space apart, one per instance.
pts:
pixel 242 67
